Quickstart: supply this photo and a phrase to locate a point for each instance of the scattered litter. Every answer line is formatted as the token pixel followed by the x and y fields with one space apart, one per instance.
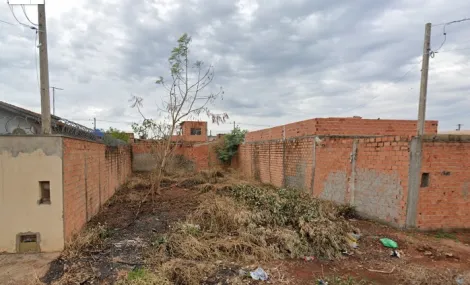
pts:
pixel 449 254
pixel 345 252
pixel 395 253
pixel 352 239
pixel 242 272
pixel 389 243
pixel 427 253
pixel 321 282
pixel 309 258
pixel 259 274
pixel 460 280
pixel 382 271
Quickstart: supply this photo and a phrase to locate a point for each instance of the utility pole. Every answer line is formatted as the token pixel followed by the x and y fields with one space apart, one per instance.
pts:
pixel 424 79
pixel 94 124
pixel 53 98
pixel 44 71
pixel 416 145
pixel 234 125
pixel 458 127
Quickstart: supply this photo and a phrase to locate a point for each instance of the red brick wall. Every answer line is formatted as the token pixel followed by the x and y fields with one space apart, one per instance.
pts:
pixel 381 186
pixel 379 180
pixel 92 173
pixel 342 126
pixel 203 154
pixel 445 203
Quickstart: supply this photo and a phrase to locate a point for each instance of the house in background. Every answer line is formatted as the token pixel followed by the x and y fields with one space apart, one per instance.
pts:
pixel 18 121
pixel 192 131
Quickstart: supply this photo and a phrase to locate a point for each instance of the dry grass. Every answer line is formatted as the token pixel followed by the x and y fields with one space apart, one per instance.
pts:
pixel 249 223
pixel 186 272
pixel 92 237
pixel 138 181
pixel 141 276
pixel 419 275
pixel 320 224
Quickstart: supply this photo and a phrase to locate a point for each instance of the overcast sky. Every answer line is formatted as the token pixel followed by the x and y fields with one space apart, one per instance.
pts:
pixel 278 61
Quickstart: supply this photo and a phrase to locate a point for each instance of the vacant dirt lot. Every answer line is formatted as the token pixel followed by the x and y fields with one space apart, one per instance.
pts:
pixel 214 228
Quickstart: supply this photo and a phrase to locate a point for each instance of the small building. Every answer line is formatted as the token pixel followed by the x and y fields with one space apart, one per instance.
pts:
pixel 192 131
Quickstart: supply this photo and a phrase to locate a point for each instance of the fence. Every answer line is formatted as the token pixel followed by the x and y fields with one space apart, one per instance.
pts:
pixel 368 172
pixel 30 125
pixel 375 174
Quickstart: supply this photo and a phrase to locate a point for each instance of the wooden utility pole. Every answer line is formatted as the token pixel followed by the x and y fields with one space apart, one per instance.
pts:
pixel 94 124
pixel 44 72
pixel 424 79
pixel 53 97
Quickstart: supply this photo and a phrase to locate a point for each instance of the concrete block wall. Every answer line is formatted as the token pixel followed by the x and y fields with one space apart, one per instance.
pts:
pixel 341 126
pixel 92 173
pixel 445 202
pixel 381 178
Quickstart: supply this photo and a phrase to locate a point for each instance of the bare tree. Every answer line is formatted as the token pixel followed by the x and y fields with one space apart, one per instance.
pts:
pixel 185 99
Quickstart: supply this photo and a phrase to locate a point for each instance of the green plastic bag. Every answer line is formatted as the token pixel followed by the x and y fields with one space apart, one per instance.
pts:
pixel 388 243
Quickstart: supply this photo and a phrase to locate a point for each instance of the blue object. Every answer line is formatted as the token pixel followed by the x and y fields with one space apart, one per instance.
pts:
pixel 98 133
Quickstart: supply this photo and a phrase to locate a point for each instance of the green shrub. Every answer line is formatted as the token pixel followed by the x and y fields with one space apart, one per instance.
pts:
pixel 228 149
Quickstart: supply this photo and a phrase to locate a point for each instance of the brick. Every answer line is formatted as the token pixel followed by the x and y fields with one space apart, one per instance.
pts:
pixel 106 168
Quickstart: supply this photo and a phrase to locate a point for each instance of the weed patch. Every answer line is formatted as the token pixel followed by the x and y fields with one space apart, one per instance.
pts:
pixel 92 237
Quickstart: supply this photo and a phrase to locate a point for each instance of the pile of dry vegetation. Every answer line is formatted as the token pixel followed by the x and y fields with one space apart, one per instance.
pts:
pixel 244 224
pixel 236 224
pixel 247 223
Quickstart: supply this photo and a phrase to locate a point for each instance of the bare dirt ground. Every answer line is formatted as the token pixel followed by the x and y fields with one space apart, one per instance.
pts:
pixel 20 268
pixel 124 248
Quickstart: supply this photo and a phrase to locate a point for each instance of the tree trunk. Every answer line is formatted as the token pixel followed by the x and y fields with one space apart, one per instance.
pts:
pixel 163 162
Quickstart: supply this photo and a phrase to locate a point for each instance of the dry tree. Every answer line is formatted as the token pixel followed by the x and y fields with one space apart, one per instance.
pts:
pixel 186 97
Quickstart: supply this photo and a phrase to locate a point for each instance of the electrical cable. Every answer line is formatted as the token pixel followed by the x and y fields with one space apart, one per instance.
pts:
pixel 19 22
pixel 36 60
pixel 445 33
pixel 375 97
pixel 7 23
pixel 26 15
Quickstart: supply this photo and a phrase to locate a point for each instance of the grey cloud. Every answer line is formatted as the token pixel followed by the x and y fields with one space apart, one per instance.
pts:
pixel 290 61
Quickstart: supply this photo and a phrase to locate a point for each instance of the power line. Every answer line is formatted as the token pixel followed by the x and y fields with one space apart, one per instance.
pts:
pixel 447 50
pixel 19 22
pixel 7 23
pixel 247 124
pixel 26 15
pixel 445 33
pixel 36 60
pixel 377 96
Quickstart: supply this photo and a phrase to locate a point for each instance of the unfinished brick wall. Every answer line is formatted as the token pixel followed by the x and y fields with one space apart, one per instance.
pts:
pixel 369 173
pixel 92 173
pixel 381 179
pixel 341 126
pixel 333 169
pixel 445 201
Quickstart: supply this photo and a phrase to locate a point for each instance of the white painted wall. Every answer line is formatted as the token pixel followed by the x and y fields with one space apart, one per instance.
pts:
pixel 24 161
